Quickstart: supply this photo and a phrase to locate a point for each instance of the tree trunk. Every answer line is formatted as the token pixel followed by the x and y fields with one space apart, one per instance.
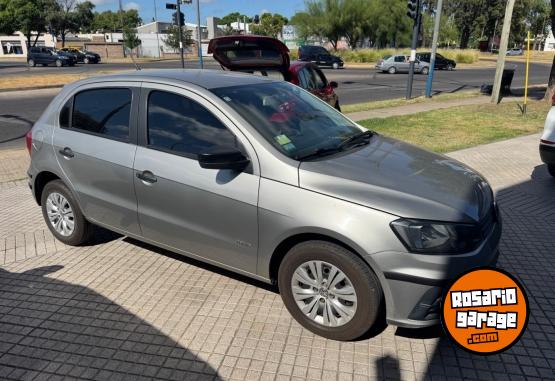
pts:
pixel 36 39
pixel 465 37
pixel 551 83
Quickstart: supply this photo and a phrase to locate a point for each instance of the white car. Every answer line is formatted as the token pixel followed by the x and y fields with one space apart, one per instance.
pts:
pixel 547 142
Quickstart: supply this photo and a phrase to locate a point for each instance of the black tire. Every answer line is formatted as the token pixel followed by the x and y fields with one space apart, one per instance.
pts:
pixel 424 71
pixel 364 281
pixel 86 60
pixel 59 63
pixel 83 229
pixel 551 169
pixel 450 67
pixel 31 63
pixel 392 70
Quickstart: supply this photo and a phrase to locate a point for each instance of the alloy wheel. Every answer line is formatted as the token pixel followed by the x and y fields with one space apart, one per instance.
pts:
pixel 324 293
pixel 60 214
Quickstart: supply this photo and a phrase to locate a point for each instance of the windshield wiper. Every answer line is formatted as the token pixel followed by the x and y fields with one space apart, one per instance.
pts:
pixel 363 137
pixel 319 153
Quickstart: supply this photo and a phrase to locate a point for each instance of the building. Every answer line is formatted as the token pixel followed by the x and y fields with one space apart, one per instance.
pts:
pixel 15 45
pixel 549 45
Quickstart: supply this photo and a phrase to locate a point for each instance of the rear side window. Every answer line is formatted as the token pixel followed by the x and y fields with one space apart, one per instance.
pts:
pixel 103 112
pixel 65 113
pixel 181 125
pixel 399 58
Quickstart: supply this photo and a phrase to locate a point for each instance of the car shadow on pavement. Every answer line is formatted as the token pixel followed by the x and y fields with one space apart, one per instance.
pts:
pixel 52 329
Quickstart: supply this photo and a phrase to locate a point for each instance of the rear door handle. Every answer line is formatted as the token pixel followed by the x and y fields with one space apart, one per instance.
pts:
pixel 147 177
pixel 67 152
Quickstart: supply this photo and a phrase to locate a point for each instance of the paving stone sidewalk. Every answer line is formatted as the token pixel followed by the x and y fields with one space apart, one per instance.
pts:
pixel 119 309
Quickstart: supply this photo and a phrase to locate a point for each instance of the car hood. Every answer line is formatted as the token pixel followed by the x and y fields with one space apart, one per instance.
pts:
pixel 250 52
pixel 403 180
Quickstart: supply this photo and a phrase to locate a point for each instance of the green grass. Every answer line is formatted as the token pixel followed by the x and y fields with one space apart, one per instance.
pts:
pixel 462 127
pixel 374 105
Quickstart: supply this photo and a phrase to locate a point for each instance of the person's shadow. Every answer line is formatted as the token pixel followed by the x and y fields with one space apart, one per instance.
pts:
pixel 51 328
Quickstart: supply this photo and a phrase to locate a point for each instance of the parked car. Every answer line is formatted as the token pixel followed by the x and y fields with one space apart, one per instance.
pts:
pixel 547 142
pixel 43 56
pixel 515 52
pixel 259 177
pixel 83 55
pixel 400 64
pixel 441 62
pixel 319 56
pixel 263 55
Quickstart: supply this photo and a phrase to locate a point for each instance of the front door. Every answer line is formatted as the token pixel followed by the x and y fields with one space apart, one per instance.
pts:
pixel 207 213
pixel 95 145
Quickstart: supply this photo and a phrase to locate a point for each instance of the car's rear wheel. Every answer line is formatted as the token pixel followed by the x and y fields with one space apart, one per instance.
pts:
pixel 392 70
pixel 450 67
pixel 329 290
pixel 59 63
pixel 551 169
pixel 31 63
pixel 63 216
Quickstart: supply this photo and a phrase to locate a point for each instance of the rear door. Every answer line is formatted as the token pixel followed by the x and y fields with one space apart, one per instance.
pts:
pixel 401 64
pixel 202 212
pixel 313 79
pixel 95 147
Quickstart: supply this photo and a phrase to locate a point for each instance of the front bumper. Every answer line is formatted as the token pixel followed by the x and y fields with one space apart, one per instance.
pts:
pixel 547 153
pixel 413 284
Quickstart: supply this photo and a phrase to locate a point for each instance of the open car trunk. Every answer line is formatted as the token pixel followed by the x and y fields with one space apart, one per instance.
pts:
pixel 250 53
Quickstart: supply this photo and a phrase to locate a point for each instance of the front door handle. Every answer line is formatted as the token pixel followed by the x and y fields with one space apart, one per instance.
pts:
pixel 67 153
pixel 147 177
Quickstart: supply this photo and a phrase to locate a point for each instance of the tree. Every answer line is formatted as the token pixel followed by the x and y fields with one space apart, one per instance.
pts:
pixel 109 21
pixel 61 18
pixel 84 16
pixel 130 38
pixel 270 25
pixel 551 83
pixel 172 39
pixel 232 17
pixel 26 16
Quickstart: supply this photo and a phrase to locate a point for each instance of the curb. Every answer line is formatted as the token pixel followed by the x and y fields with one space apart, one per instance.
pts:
pixel 11 89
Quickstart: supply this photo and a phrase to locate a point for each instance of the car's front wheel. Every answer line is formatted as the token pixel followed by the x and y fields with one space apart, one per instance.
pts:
pixel 392 70
pixel 329 290
pixel 31 63
pixel 551 169
pixel 63 216
pixel 424 71
pixel 59 63
pixel 450 67
pixel 335 65
pixel 86 60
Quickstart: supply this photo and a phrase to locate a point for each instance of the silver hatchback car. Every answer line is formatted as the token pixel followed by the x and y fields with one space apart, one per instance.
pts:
pixel 262 178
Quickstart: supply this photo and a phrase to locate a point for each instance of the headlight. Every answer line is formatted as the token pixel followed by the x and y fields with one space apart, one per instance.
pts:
pixel 429 237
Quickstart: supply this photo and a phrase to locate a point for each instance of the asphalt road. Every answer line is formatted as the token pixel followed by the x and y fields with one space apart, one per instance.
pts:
pixel 356 85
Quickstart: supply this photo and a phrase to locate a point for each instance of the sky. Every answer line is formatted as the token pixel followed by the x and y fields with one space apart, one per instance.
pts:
pixel 207 8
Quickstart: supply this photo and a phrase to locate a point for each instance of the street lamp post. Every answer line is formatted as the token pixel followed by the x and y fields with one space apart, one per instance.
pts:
pixel 201 64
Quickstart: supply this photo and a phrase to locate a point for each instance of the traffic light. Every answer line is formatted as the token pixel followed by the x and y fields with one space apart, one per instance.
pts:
pixel 256 19
pixel 182 18
pixel 412 8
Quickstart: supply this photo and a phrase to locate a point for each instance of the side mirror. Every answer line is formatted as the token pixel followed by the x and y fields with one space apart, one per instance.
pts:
pixel 334 84
pixel 232 159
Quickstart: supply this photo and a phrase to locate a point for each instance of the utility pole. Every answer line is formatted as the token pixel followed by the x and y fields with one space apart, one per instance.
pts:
pixel 156 23
pixel 122 27
pixel 179 30
pixel 502 51
pixel 201 64
pixel 434 49
pixel 414 12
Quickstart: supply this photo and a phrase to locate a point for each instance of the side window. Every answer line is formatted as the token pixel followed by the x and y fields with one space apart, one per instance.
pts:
pixel 103 111
pixel 320 80
pixel 399 59
pixel 65 114
pixel 181 125
pixel 303 78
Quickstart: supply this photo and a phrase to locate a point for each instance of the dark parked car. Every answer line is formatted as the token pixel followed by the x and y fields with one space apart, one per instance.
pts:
pixel 83 55
pixel 442 63
pixel 266 55
pixel 39 55
pixel 319 56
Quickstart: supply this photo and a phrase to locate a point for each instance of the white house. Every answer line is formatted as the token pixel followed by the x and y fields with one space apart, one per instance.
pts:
pixel 15 45
pixel 549 45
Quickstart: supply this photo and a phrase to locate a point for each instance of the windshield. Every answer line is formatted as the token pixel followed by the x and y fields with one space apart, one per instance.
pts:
pixel 292 120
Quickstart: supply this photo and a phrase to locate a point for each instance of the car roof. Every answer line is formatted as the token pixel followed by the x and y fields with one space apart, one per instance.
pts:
pixel 208 79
